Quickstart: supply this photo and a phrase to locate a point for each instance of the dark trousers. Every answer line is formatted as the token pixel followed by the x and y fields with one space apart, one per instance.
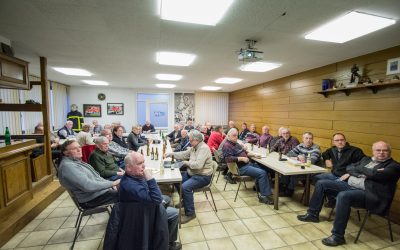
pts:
pixel 346 197
pixel 110 197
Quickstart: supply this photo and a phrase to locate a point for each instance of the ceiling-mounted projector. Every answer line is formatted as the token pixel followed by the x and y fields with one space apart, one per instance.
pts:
pixel 250 54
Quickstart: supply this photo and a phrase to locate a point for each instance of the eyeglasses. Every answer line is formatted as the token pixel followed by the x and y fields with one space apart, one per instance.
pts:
pixel 381 150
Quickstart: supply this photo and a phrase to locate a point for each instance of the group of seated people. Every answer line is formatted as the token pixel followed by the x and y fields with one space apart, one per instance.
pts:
pixel 354 180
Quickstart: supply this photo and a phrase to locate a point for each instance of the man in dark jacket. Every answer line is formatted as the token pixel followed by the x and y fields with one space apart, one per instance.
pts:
pixel 148 127
pixel 175 136
pixel 369 183
pixel 66 131
pixel 138 184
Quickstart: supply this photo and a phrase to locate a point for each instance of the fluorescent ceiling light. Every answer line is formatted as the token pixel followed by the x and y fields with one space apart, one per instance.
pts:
pixel 259 66
pixel 349 27
pixel 228 80
pixel 168 77
pixel 176 59
pixel 207 12
pixel 165 86
pixel 73 71
pixel 210 88
pixel 95 82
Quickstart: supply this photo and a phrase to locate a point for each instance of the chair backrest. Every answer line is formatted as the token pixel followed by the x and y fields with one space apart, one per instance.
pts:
pixel 86 151
pixel 216 155
pixel 215 165
pixel 233 168
pixel 75 201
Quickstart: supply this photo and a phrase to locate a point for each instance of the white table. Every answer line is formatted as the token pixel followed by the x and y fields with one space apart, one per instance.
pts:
pixel 289 167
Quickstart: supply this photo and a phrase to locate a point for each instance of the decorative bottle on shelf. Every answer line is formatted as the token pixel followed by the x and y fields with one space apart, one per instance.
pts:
pixel 7 137
pixel 156 154
pixel 308 161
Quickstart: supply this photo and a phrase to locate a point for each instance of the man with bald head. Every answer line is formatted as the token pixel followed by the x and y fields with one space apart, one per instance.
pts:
pixel 369 183
pixel 138 184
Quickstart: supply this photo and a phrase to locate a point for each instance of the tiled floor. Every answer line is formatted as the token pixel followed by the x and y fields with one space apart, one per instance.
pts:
pixel 244 224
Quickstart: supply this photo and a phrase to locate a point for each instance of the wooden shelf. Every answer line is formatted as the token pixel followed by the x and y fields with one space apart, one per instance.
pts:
pixel 21 107
pixel 373 87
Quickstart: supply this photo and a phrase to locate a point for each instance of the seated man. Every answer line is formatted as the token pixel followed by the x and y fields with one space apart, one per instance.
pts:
pixel 285 143
pixel 84 137
pixel 103 162
pixel 200 166
pixel 266 137
pixel 148 127
pixel 66 131
pixel 203 130
pixel 301 153
pixel 134 140
pixel 369 183
pixel 115 149
pixel 234 152
pixel 175 136
pixel 231 124
pixel 138 184
pixel 189 125
pixel 118 136
pixel 185 143
pixel 252 136
pixel 243 133
pixel 95 128
pixel 276 138
pixel 78 177
pixel 216 138
pixel 209 127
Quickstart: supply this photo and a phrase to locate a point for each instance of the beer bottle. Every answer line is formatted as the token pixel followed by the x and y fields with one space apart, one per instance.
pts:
pixel 308 162
pixel 156 154
pixel 7 137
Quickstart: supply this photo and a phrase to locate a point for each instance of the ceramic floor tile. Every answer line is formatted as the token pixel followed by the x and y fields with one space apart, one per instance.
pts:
pixel 55 203
pixel 30 248
pixel 191 234
pixel 227 215
pixel 196 246
pixel 304 246
pixel 87 244
pixel 296 206
pixel 245 212
pixel 96 219
pixel 214 231
pixel 194 222
pixel 203 206
pixel 310 232
pixel 251 201
pixel 319 245
pixel 228 195
pixel 235 227
pixel 222 204
pixel 62 246
pixel 92 232
pixel 291 219
pixel 63 235
pixel 263 210
pixel 31 226
pixel 238 203
pixel 207 217
pixel 70 221
pixel 290 236
pixel 396 247
pixel 220 244
pixel 256 224
pixel 67 203
pixel 61 212
pixel 217 196
pixel 14 241
pixel 282 209
pixel 246 242
pixel 38 238
pixel 324 226
pixel 371 240
pixel 275 221
pixel 350 245
pixel 51 223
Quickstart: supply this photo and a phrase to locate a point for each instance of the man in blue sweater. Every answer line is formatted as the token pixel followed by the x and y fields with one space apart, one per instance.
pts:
pixel 138 184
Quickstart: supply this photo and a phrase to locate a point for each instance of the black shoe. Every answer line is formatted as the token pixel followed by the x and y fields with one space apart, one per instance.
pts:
pixel 186 218
pixel 256 187
pixel 330 203
pixel 269 200
pixel 228 177
pixel 287 193
pixel 333 241
pixel 175 245
pixel 308 218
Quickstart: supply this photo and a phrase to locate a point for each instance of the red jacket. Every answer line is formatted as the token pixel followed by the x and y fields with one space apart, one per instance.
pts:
pixel 215 140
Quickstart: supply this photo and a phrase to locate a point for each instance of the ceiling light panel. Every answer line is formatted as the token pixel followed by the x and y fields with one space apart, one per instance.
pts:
pixel 168 77
pixel 165 86
pixel 206 12
pixel 259 66
pixel 73 71
pixel 228 80
pixel 212 88
pixel 95 82
pixel 349 27
pixel 175 59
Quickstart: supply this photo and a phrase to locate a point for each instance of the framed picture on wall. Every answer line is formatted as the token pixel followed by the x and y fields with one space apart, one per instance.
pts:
pixel 115 109
pixel 393 66
pixel 92 110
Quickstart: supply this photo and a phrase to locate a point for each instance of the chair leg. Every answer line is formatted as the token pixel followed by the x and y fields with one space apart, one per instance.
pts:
pixel 390 229
pixel 77 231
pixel 205 192
pixel 362 226
pixel 219 173
pixel 240 182
pixel 226 182
pixel 255 183
pixel 331 213
pixel 358 215
pixel 212 198
pixel 77 219
pixel 244 184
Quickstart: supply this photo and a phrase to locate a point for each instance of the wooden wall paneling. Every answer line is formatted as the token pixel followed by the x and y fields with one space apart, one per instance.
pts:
pixel 16 178
pixel 381 128
pixel 369 104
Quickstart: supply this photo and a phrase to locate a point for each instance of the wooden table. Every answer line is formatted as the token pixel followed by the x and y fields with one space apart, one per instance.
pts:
pixel 169 176
pixel 289 167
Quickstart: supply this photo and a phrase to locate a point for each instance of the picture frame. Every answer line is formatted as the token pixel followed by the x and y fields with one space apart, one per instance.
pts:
pixel 92 110
pixel 115 109
pixel 393 66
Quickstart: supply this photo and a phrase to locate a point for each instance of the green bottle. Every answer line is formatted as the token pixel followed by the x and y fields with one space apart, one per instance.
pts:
pixel 7 137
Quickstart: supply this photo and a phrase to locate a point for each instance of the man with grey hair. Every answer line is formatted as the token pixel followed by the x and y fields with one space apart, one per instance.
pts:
pixel 369 183
pixel 175 135
pixel 103 162
pixel 234 152
pixel 115 149
pixel 200 167
pixel 66 131
pixel 286 143
pixel 231 124
pixel 185 143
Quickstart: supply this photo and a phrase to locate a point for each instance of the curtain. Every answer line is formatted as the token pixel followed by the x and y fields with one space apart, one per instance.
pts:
pixel 212 107
pixel 12 120
pixel 59 106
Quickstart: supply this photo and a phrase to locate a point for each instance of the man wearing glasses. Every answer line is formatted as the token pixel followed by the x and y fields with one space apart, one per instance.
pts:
pixel 369 183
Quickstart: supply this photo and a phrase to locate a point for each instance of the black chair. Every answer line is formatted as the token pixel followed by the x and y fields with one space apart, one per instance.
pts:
pixel 221 166
pixel 208 188
pixel 233 168
pixel 85 212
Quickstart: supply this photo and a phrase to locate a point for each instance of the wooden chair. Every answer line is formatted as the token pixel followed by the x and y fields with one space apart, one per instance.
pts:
pixel 221 166
pixel 208 188
pixel 85 212
pixel 233 168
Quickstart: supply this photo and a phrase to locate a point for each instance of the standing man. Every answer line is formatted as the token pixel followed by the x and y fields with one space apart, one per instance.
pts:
pixel 138 184
pixel 200 167
pixel 369 183
pixel 78 177
pixel 76 117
